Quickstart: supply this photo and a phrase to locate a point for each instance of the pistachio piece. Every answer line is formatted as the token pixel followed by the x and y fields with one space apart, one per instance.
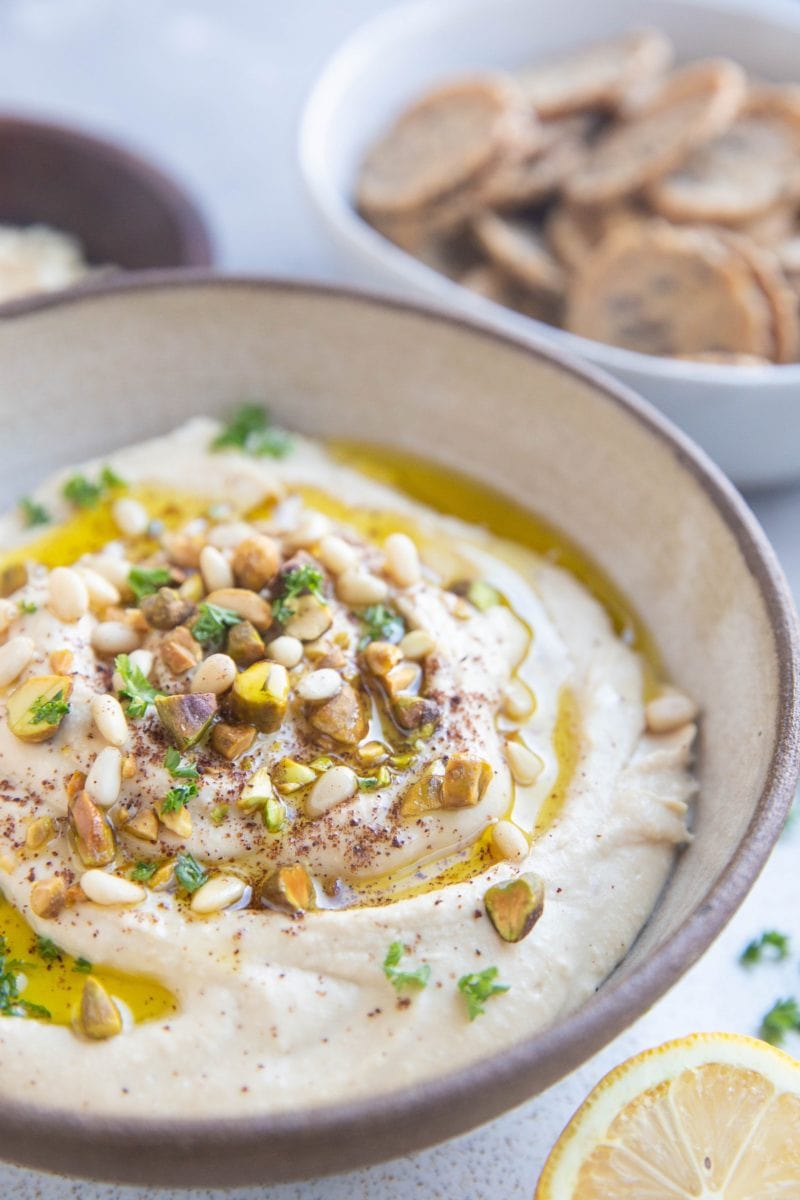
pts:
pixel 249 605
pixel 186 716
pixel 94 839
pixel 415 712
pixel 166 609
pixel 255 561
pixel 244 644
pixel 38 706
pixel 259 696
pixel 403 679
pixel 341 716
pixel 381 657
pixel 192 588
pixel 516 906
pixel 178 821
pixel 180 651
pixel 48 897
pixel 256 792
pixel 231 741
pixel 12 578
pixel 98 1016
pixel 144 825
pixel 289 889
pixel 425 795
pixel 40 832
pixel 465 781
pixel 289 776
pixel 310 619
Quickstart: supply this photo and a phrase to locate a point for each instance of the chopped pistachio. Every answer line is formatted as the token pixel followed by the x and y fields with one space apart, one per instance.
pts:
pixel 186 716
pixel 144 825
pixel 371 783
pixel 165 609
pixel 381 657
pixel 219 814
pixel 244 644
pixel 48 897
pixel 40 832
pixel 177 821
pixel 94 839
pixel 180 651
pixel 231 741
pixel 515 907
pixel 274 812
pixel 341 717
pixel 415 712
pixel 260 695
pixel 98 1016
pixel 37 708
pixel 371 753
pixel 465 781
pixel 256 792
pixel 289 776
pixel 425 795
pixel 12 578
pixel 322 763
pixel 289 889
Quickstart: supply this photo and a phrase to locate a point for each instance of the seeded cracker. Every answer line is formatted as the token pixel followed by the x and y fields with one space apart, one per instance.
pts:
pixel 573 233
pixel 781 298
pixel 516 182
pixel 521 253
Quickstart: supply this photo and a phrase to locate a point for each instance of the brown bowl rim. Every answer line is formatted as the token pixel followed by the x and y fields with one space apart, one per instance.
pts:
pixel 196 244
pixel 317 1141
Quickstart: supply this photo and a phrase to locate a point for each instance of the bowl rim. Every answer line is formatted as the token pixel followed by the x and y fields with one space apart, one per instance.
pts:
pixel 308 1143
pixel 196 243
pixel 428 17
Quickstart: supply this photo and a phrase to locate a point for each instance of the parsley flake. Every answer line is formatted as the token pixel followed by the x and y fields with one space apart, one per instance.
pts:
pixel 769 946
pixel 27 606
pixel 177 796
pixel 189 873
pixel 300 581
pixel 478 987
pixel 146 581
pixel 403 979
pixel 213 620
pixel 47 949
pixel 251 431
pixel 782 1018
pixel 83 493
pixel 110 479
pixel 49 712
pixel 136 687
pixel 82 966
pixel 33 513
pixel 381 625
pixel 11 1005
pixel 180 768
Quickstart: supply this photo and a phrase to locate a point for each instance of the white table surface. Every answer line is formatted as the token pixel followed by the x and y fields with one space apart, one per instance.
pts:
pixel 212 89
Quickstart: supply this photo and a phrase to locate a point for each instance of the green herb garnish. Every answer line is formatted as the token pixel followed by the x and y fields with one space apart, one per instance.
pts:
pixel 49 712
pixel 11 1005
pixel 82 966
pixel 33 513
pixel 27 606
pixel 209 628
pixel 143 870
pixel 47 949
pixel 381 625
pixel 110 479
pixel 403 979
pixel 302 580
pixel 782 1018
pixel 477 988
pixel 251 431
pixel 189 873
pixel 136 687
pixel 180 768
pixel 81 492
pixel 146 581
pixel 769 946
pixel 176 797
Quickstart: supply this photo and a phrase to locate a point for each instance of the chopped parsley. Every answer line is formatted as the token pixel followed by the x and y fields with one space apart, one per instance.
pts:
pixel 136 687
pixel 110 479
pixel 47 949
pixel 177 796
pixel 49 712
pixel 189 873
pixel 82 966
pixel 209 628
pixel 403 979
pixel 145 581
pixel 33 513
pixel 11 1005
pixel 782 1018
pixel 179 768
pixel 27 606
pixel 477 988
pixel 770 946
pixel 251 431
pixel 83 493
pixel 143 870
pixel 302 580
pixel 381 625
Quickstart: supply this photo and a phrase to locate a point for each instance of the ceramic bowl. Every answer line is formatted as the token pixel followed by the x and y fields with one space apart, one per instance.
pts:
pixel 748 419
pixel 123 210
pixel 130 359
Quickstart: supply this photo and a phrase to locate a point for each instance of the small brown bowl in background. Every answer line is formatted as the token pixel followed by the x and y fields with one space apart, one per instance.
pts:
pixel 124 211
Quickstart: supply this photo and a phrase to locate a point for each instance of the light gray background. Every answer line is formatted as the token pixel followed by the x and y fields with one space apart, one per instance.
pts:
pixel 212 90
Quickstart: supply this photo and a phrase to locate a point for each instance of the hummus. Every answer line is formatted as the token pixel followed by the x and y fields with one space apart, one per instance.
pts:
pixel 274 738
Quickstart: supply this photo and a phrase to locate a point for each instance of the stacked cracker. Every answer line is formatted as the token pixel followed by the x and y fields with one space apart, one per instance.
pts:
pixel 652 208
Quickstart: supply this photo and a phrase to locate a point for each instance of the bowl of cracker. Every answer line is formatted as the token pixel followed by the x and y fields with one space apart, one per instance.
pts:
pixel 623 179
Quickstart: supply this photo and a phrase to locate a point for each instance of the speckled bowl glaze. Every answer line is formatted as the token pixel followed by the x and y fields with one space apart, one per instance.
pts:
pixel 91 370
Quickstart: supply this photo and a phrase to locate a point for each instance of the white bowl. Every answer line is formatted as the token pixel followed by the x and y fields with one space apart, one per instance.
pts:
pixel 747 418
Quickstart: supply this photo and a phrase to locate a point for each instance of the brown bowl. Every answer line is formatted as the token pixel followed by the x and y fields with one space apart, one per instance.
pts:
pixel 129 359
pixel 124 211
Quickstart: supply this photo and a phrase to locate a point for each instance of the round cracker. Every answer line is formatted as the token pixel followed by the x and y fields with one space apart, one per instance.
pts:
pixel 573 233
pixel 515 183
pixel 780 296
pixel 746 171
pixel 519 249
pixel 489 281
pixel 696 104
pixel 438 144
pixel 664 290
pixel 596 76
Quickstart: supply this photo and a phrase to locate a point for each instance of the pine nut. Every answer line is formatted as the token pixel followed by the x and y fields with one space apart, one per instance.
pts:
pixel 336 555
pixel 114 637
pixel 68 597
pixel 101 591
pixel 669 711
pixel 311 529
pixel 104 780
pixel 103 888
pixel 526 767
pixel 143 659
pixel 357 587
pixel 115 570
pixel 417 644
pixel 14 658
pixel 517 701
pixel 216 675
pixel 111 722
pixel 8 615
pixel 320 685
pixel 130 516
pixel 509 842
pixel 402 560
pixel 228 534
pixel 220 892
pixel 285 650
pixel 336 785
pixel 215 569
